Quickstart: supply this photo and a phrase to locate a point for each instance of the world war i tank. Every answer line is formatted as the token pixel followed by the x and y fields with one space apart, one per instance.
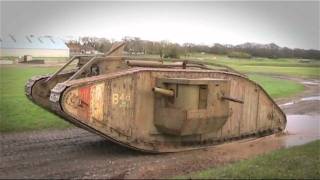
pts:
pixel 157 106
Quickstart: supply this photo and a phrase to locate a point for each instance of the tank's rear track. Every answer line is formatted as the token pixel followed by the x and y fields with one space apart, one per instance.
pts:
pixel 155 109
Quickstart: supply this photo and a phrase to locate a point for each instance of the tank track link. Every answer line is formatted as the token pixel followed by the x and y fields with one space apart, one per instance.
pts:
pixel 31 82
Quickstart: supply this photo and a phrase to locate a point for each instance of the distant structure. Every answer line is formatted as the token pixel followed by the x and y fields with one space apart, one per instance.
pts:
pixel 36 46
pixel 76 48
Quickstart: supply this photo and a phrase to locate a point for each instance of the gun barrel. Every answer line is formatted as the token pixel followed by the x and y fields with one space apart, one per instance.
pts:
pixel 165 92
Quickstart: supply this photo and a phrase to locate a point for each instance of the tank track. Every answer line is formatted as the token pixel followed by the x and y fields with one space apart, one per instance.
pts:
pixel 57 110
pixel 30 83
pixel 56 94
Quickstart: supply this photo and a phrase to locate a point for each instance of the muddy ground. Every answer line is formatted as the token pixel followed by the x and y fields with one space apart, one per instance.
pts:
pixel 75 153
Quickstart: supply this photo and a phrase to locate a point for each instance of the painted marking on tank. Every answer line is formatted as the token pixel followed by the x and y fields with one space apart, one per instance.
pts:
pixel 97 102
pixel 121 99
pixel 84 106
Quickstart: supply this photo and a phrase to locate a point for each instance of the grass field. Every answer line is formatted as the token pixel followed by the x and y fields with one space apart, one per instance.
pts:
pixel 300 162
pixel 17 113
pixel 281 66
pixel 312 72
pixel 277 87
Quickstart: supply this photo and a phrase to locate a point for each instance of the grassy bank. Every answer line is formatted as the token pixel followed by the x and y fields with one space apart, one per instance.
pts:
pixel 298 162
pixel 17 113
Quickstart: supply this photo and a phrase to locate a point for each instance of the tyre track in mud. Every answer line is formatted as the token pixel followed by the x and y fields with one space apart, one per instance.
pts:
pixel 76 153
pixel 60 157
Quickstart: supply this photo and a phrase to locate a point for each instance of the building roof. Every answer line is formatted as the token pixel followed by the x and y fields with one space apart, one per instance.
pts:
pixel 31 42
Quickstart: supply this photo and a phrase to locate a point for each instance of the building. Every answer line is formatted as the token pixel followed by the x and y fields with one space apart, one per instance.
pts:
pixel 35 46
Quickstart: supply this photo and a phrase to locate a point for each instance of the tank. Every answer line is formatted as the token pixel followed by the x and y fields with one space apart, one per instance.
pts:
pixel 157 106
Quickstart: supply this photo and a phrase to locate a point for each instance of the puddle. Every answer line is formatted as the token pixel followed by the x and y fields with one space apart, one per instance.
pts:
pixel 287 104
pixel 310 83
pixel 311 98
pixel 302 129
pixel 303 124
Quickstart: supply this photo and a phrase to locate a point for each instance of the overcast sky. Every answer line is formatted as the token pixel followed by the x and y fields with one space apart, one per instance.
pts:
pixel 291 24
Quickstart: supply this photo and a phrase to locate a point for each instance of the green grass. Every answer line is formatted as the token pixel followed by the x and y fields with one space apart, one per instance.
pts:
pixel 298 162
pixel 281 66
pixel 17 113
pixel 312 72
pixel 277 88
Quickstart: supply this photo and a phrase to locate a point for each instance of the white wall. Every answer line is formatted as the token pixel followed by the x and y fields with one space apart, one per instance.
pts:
pixel 35 52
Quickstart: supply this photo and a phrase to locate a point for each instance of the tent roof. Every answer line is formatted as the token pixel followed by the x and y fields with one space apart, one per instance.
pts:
pixel 31 42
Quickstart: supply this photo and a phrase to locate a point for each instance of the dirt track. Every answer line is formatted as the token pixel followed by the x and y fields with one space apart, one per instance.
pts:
pixel 75 153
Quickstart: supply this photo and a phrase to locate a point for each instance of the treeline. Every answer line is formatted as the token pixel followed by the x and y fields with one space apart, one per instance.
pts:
pixel 136 46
